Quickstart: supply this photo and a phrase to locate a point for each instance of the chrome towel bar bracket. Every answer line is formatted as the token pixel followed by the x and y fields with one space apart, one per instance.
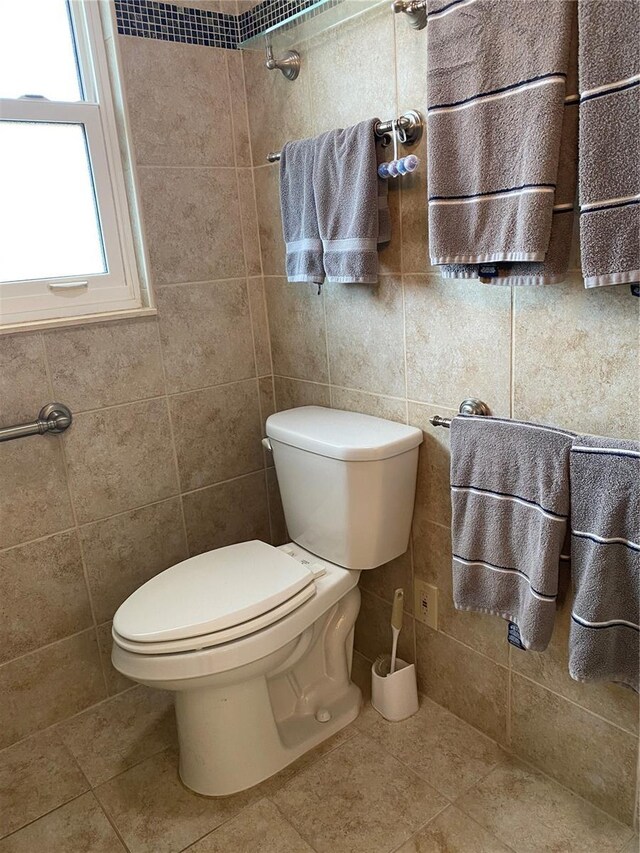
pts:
pixel 411 125
pixel 415 10
pixel 467 407
pixel 52 418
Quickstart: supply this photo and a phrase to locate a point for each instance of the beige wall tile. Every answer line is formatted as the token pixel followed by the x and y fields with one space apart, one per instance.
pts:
pixel 261 341
pixel 103 364
pixel 231 512
pixel 79 825
pixel 467 353
pixel 411 68
pixel 49 685
pixel 192 223
pixel 116 682
pixel 155 813
pixel 33 499
pixel 123 552
pixel 24 388
pixel 448 753
pixel 297 328
pixel 43 594
pixel 359 317
pixel 531 813
pixel 249 219
pixel 415 242
pixel 278 108
pixel 267 401
pixel 115 735
pixel 390 254
pixel 217 433
pixel 470 685
pixel 587 380
pixel 374 801
pixel 453 832
pixel 551 733
pixel 239 114
pixel 178 98
pixel 205 331
pixel 291 393
pixel 433 563
pixel 258 827
pixel 120 458
pixel 433 492
pixel 36 775
pixel 370 90
pixel 279 533
pixel 384 580
pixel 369 404
pixel 373 630
pixel 267 184
pixel 550 668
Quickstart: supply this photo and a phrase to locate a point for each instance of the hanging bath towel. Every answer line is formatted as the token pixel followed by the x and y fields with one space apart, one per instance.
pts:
pixel 609 141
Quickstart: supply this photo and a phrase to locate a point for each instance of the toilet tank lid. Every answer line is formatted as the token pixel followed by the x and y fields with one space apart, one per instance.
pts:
pixel 350 436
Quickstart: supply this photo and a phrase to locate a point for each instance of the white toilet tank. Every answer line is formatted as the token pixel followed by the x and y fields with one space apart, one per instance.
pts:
pixel 347 482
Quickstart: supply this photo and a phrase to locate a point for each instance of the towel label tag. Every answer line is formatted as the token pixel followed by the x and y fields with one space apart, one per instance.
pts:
pixel 513 636
pixel 488 271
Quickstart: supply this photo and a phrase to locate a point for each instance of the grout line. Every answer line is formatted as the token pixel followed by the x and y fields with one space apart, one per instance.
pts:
pixel 83 562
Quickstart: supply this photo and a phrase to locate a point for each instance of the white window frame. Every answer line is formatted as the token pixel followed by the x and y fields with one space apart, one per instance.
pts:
pixel 26 303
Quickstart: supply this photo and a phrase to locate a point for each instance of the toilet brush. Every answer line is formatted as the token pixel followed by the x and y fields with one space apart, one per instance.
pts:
pixel 396 625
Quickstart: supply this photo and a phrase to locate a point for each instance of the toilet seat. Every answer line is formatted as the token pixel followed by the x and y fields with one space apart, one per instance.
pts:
pixel 213 598
pixel 204 641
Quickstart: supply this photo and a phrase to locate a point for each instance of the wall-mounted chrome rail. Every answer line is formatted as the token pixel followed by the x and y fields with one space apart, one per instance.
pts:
pixel 415 10
pixel 467 407
pixel 410 125
pixel 53 418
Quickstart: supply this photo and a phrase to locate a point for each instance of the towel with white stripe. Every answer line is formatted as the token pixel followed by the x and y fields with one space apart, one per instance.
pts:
pixel 605 560
pixel 502 130
pixel 510 501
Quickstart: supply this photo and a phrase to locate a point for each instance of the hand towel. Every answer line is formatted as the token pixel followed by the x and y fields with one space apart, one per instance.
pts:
pixel 299 216
pixel 609 141
pixel 605 560
pixel 348 203
pixel 510 501
pixel 496 90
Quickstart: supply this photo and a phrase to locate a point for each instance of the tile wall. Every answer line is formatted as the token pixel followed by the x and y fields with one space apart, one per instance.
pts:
pixel 163 459
pixel 413 346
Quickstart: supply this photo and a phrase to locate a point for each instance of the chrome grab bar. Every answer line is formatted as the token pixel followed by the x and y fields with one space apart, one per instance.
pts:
pixel 52 418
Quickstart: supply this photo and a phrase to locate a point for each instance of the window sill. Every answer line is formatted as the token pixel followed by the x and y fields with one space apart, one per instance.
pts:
pixel 81 320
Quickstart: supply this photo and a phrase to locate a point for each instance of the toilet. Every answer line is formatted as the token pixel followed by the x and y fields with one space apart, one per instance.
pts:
pixel 256 642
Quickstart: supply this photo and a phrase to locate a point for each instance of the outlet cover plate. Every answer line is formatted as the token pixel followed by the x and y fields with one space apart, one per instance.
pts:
pixel 426 604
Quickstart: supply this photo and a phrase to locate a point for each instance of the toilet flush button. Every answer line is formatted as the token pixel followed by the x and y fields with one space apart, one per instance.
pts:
pixel 322 715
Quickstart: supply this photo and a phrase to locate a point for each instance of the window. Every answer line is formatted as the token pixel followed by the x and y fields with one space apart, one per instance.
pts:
pixel 66 247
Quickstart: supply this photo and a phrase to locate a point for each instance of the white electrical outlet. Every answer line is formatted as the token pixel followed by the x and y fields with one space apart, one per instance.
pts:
pixel 426 604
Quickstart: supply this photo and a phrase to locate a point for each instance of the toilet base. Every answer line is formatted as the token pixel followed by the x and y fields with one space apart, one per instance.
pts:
pixel 250 747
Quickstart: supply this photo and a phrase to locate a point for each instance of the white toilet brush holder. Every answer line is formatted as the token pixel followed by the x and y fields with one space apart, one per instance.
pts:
pixel 394 696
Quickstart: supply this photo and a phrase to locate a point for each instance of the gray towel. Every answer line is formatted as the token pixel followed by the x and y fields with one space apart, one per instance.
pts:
pixel 605 560
pixel 609 141
pixel 510 499
pixel 496 90
pixel 348 193
pixel 299 217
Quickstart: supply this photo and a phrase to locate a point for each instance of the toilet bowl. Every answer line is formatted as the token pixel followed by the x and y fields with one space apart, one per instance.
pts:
pixel 256 642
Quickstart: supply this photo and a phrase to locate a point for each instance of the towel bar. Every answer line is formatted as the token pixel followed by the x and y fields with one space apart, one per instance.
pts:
pixel 54 417
pixel 411 124
pixel 467 407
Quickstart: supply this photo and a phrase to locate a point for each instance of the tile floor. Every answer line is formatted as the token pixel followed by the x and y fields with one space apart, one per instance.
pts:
pixel 106 782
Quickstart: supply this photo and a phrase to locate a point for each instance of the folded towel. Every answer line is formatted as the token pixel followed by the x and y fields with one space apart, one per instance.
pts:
pixel 605 560
pixel 510 499
pixel 609 141
pixel 494 127
pixel 299 217
pixel 347 193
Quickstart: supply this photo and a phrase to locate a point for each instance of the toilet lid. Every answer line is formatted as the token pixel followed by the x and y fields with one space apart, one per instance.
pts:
pixel 211 592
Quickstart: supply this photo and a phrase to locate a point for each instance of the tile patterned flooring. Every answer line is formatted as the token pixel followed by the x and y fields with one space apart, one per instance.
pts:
pixel 106 782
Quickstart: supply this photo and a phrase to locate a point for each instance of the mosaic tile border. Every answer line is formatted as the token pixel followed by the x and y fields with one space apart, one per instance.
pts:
pixel 169 22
